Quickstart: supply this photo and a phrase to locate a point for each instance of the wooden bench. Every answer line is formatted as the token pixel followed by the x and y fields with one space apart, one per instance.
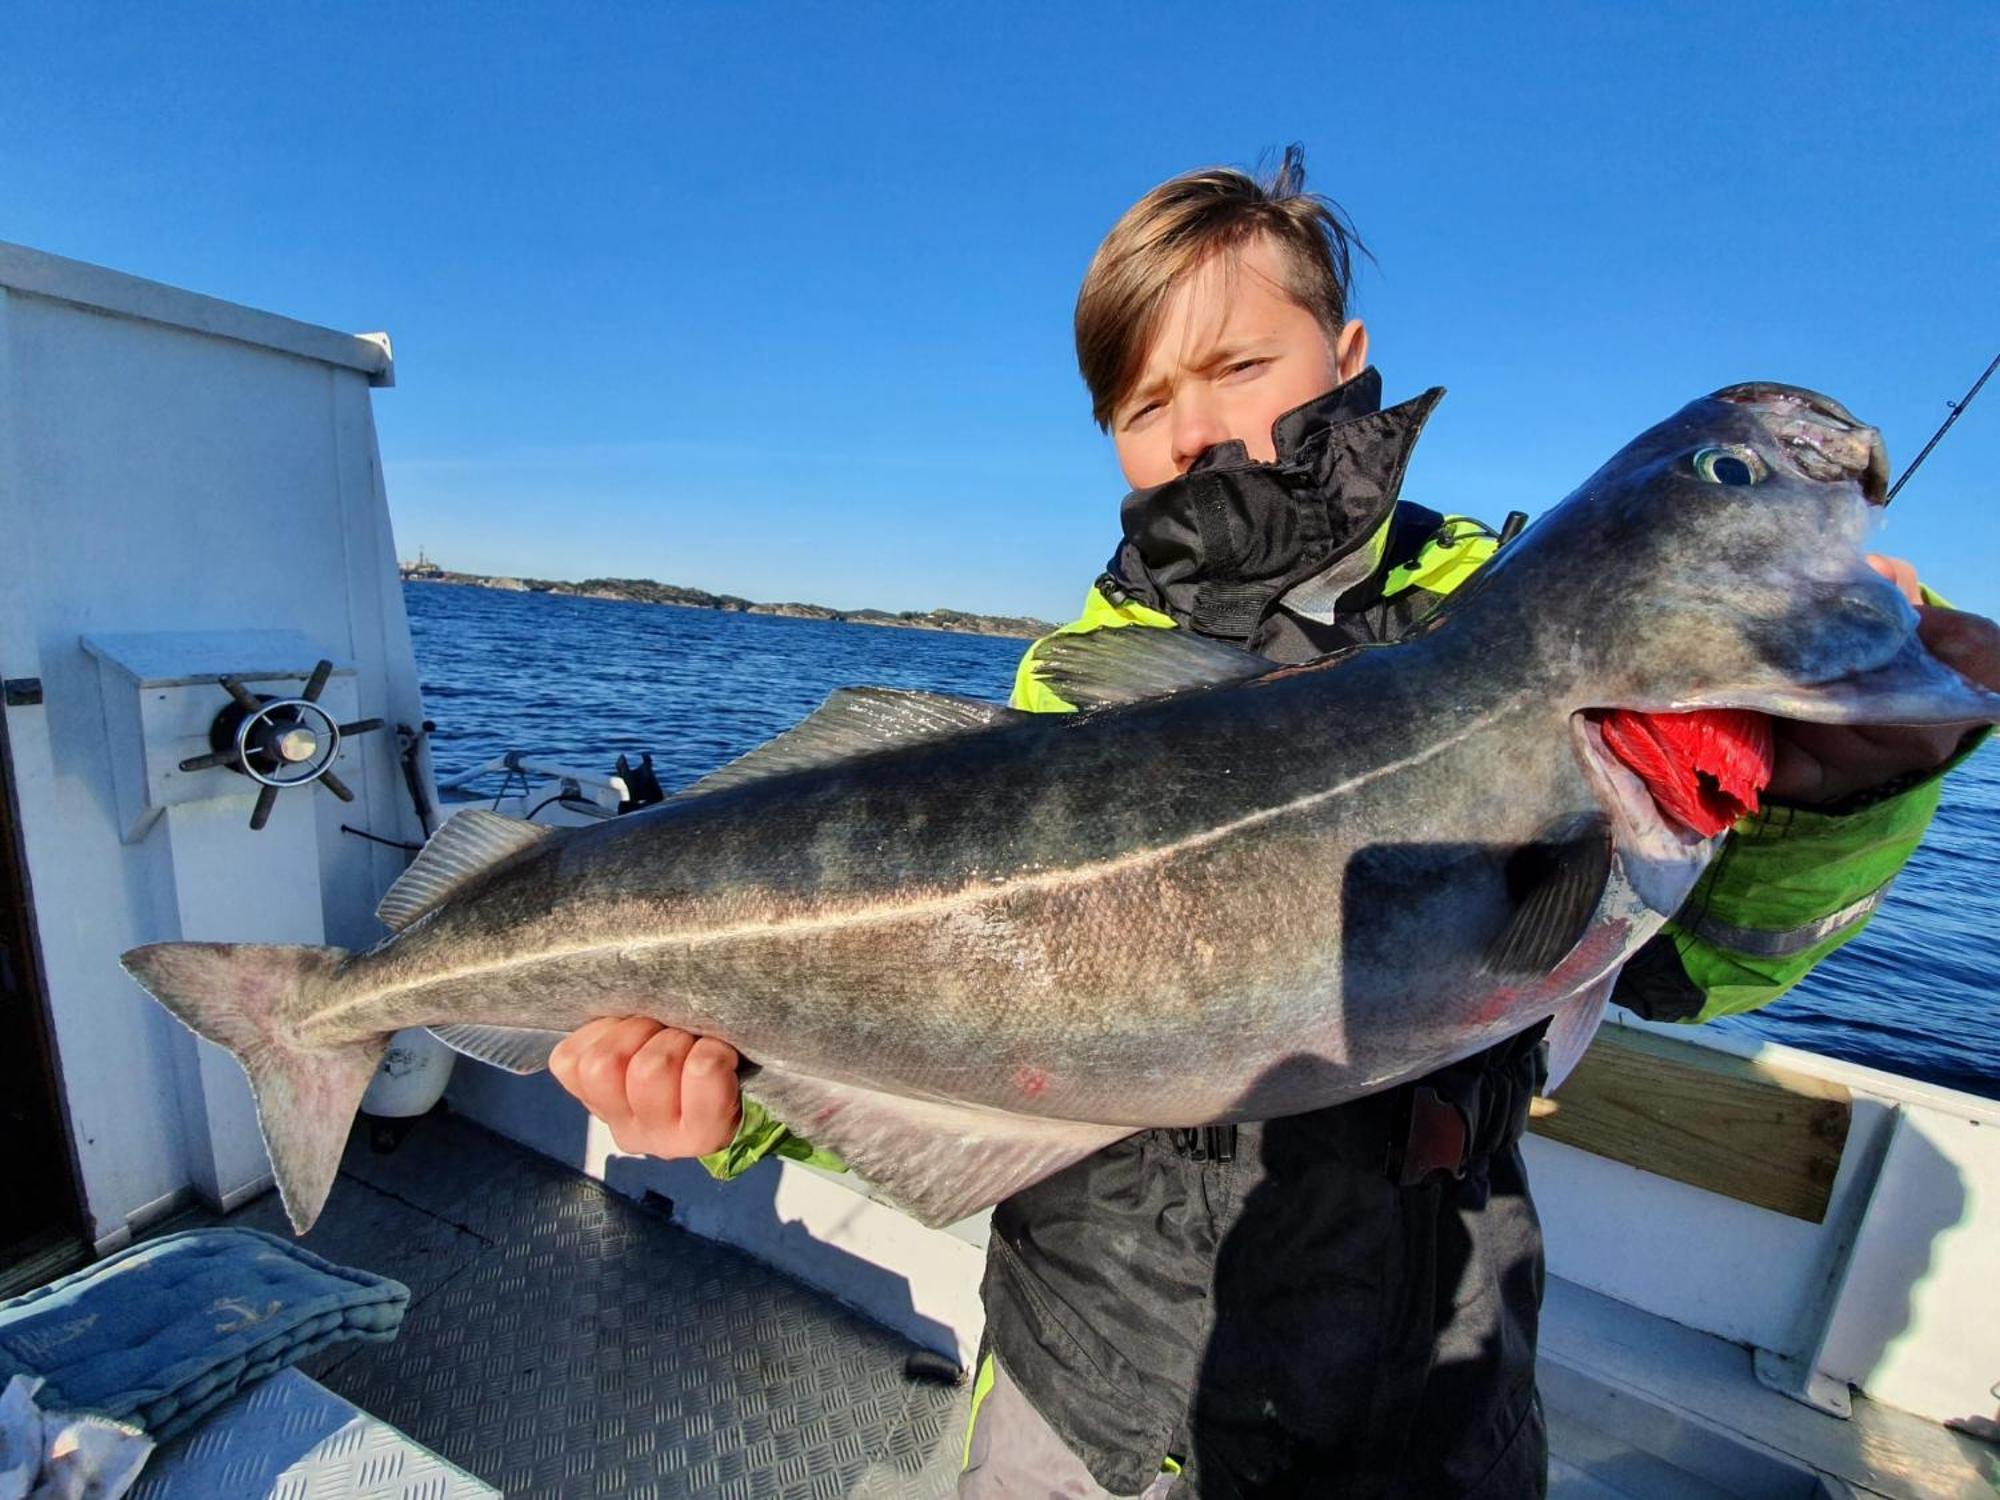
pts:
pixel 1761 1134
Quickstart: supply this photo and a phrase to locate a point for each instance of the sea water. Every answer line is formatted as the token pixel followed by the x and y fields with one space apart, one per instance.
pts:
pixel 582 681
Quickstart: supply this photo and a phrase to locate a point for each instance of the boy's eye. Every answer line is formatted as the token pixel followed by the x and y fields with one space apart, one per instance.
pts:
pixel 1244 364
pixel 1138 414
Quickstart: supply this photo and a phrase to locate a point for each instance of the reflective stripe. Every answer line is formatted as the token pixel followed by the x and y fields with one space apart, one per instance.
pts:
pixel 1758 943
pixel 1451 556
pixel 980 1387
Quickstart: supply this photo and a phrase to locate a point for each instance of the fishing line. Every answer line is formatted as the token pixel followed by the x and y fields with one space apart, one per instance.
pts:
pixel 376 838
pixel 1957 410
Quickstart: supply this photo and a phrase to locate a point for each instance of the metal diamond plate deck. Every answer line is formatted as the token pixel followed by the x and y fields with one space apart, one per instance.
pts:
pixel 565 1342
pixel 291 1439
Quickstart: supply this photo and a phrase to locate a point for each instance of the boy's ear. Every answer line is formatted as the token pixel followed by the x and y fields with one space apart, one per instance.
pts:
pixel 1350 350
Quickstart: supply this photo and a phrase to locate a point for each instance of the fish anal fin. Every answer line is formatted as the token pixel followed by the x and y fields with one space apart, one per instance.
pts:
pixel 853 722
pixel 937 1162
pixel 469 845
pixel 1128 664
pixel 1561 882
pixel 518 1049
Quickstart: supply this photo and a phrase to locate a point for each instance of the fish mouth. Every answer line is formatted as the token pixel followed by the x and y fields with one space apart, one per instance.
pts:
pixel 1910 688
pixel 1822 439
pixel 1725 779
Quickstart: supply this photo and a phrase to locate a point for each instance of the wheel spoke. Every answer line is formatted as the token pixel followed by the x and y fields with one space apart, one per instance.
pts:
pixel 335 785
pixel 316 684
pixel 245 699
pixel 261 813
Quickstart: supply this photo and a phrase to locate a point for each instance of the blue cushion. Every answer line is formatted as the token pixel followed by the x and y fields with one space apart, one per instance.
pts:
pixel 163 1332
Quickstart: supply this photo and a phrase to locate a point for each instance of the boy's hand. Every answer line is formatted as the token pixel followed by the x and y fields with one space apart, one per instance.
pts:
pixel 663 1092
pixel 1818 764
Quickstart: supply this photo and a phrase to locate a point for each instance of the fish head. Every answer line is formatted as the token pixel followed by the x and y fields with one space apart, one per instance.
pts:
pixel 1719 561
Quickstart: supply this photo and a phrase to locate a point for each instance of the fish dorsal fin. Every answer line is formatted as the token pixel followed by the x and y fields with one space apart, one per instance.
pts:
pixel 855 721
pixel 937 1162
pixel 1126 664
pixel 470 844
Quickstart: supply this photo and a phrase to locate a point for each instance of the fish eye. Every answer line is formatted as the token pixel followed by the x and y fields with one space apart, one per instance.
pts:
pixel 1730 465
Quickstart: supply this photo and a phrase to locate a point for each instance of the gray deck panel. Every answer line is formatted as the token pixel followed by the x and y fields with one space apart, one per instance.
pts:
pixel 289 1439
pixel 1691 1400
pixel 1588 1463
pixel 564 1342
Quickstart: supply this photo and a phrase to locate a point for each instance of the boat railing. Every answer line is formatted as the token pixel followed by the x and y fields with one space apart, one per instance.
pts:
pixel 530 785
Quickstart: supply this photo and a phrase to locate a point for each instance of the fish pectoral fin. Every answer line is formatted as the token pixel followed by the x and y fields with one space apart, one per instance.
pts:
pixel 1563 882
pixel 852 722
pixel 937 1162
pixel 468 845
pixel 518 1049
pixel 1126 664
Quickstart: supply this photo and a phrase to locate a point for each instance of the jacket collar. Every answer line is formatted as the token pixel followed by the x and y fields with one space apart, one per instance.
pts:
pixel 1219 546
pixel 1349 402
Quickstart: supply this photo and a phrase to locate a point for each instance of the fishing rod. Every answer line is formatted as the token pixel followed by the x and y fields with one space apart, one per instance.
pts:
pixel 1957 410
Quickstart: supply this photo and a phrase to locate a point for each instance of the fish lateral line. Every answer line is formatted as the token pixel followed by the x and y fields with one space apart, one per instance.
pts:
pixel 878 912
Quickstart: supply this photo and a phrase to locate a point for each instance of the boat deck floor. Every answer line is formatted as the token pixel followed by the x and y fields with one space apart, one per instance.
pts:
pixel 565 1341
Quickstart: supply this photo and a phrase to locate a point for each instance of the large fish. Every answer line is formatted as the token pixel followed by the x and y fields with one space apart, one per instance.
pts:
pixel 964 947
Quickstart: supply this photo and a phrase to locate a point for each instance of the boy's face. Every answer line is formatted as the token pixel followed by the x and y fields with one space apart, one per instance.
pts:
pixel 1233 354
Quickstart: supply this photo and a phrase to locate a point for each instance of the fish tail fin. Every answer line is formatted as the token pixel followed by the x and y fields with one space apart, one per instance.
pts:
pixel 252 999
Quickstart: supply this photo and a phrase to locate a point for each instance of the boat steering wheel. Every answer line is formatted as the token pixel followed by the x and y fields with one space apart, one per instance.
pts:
pixel 278 742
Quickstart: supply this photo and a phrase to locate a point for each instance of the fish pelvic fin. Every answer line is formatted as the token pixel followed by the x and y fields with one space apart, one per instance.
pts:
pixel 251 998
pixel 938 1162
pixel 1573 1027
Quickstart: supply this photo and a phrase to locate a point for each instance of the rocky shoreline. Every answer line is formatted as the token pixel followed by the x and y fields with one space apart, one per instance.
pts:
pixel 646 591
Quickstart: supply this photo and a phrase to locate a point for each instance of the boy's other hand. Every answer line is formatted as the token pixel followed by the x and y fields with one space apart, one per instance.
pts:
pixel 663 1092
pixel 1819 764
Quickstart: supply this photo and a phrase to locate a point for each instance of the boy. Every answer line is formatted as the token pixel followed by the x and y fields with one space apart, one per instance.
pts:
pixel 1341 1303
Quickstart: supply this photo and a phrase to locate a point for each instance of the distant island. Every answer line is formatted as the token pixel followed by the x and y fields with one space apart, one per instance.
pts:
pixel 646 591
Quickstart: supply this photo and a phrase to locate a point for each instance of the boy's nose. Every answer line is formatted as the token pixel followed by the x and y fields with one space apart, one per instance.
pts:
pixel 1198 426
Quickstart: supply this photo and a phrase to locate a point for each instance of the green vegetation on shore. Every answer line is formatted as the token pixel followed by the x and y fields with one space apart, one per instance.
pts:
pixel 646 591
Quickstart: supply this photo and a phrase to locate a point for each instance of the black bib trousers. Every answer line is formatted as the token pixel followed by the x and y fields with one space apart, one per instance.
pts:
pixel 1302 1319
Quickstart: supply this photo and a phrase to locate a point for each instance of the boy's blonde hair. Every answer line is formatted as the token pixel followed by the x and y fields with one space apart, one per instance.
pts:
pixel 1180 226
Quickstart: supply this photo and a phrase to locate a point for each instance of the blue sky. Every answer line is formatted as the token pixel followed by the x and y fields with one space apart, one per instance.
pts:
pixel 775 299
